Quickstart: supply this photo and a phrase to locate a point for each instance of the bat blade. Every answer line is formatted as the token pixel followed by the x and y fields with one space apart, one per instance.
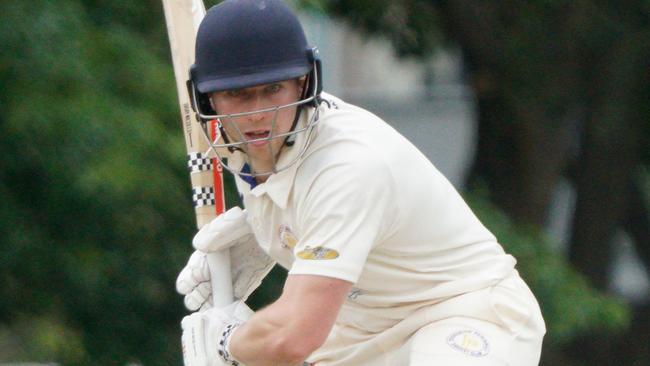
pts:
pixel 183 18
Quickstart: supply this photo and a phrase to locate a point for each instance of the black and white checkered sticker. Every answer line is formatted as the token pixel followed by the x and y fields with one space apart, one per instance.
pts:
pixel 203 196
pixel 196 162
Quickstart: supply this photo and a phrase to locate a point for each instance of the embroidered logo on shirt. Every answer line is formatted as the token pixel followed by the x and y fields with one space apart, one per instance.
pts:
pixel 287 238
pixel 354 293
pixel 317 253
pixel 469 342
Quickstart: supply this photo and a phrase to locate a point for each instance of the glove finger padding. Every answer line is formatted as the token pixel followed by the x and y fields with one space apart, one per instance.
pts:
pixel 207 304
pixel 223 231
pixel 199 296
pixel 195 272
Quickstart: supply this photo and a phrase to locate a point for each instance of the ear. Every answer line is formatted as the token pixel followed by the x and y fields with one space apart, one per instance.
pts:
pixel 212 102
pixel 301 84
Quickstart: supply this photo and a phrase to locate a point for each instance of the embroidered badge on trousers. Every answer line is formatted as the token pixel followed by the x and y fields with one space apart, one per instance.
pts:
pixel 469 342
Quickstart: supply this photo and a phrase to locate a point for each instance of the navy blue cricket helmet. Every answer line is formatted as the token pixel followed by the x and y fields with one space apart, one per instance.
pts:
pixel 243 43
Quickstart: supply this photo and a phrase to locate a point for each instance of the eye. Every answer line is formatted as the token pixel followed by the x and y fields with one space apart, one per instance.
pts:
pixel 234 93
pixel 273 88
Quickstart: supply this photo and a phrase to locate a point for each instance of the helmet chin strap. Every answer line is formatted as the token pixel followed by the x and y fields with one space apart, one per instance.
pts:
pixel 291 139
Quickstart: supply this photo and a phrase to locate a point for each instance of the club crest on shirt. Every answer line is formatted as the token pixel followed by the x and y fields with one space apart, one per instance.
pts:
pixel 287 238
pixel 469 342
pixel 317 253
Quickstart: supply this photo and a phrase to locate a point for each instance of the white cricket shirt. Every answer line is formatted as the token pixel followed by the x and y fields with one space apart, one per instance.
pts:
pixel 366 206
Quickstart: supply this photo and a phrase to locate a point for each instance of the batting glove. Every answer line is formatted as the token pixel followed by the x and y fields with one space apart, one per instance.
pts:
pixel 249 264
pixel 225 231
pixel 206 335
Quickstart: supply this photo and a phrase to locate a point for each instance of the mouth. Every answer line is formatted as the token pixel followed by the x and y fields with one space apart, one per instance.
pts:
pixel 258 135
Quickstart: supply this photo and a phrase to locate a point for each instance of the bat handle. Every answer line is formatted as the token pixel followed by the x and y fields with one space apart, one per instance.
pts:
pixel 219 265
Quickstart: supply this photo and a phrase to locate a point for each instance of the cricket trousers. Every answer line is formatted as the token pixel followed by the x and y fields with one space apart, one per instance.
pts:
pixel 507 330
pixel 495 326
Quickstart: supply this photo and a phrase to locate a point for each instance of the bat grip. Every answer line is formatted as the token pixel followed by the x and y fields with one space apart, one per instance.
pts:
pixel 219 265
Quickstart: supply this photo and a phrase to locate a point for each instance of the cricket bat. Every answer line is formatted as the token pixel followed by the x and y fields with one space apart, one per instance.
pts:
pixel 206 174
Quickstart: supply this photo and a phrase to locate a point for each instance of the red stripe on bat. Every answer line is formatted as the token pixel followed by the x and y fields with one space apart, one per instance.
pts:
pixel 217 176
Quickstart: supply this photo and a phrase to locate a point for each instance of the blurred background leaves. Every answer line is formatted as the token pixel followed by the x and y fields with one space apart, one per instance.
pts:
pixel 95 220
pixel 95 209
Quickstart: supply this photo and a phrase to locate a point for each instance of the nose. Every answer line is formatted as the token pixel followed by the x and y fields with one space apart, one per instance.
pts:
pixel 258 103
pixel 256 117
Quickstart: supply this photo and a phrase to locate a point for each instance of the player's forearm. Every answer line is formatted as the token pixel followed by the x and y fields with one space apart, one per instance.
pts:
pixel 271 337
pixel 299 322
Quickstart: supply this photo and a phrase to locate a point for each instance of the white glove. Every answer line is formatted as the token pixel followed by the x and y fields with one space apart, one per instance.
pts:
pixel 206 334
pixel 248 262
pixel 222 232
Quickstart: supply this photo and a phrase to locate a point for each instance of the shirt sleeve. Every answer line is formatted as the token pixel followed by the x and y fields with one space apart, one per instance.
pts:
pixel 344 210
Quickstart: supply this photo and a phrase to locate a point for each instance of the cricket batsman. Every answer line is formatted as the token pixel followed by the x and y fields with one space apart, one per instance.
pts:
pixel 387 265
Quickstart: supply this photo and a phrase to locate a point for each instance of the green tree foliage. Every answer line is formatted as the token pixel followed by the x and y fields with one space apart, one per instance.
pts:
pixel 96 216
pixel 571 306
pixel 412 26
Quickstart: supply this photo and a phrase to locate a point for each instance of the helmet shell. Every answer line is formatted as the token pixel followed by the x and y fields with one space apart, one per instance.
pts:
pixel 243 43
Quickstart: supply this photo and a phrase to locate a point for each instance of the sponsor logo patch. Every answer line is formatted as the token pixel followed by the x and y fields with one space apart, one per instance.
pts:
pixel 469 342
pixel 287 238
pixel 317 253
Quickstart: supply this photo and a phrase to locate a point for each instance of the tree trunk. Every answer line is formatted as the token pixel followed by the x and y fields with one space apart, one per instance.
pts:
pixel 606 170
pixel 607 164
pixel 637 222
pixel 523 142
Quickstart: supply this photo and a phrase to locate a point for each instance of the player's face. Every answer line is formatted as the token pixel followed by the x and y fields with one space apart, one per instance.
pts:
pixel 254 128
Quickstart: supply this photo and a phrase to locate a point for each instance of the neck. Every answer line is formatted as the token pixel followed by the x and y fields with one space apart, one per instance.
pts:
pixel 262 178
